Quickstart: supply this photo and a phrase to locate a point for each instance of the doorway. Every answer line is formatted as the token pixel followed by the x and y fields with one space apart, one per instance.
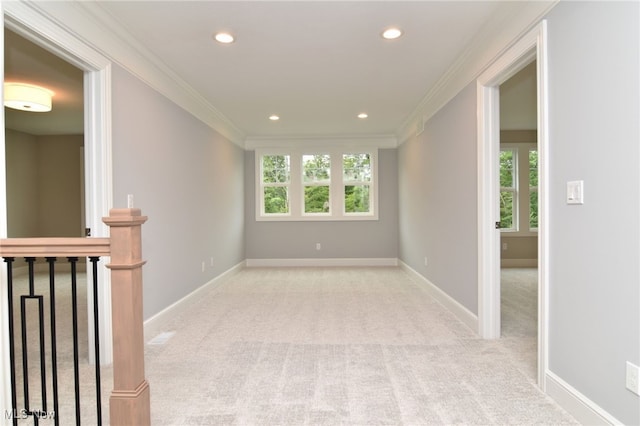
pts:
pixel 530 47
pixel 39 28
pixel 44 184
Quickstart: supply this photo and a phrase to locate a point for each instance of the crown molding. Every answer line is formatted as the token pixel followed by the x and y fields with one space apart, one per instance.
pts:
pixel 512 21
pixel 346 141
pixel 98 29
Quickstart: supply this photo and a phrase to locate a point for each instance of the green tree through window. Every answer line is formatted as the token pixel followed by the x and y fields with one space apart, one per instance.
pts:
pixel 316 178
pixel 356 170
pixel 533 189
pixel 508 181
pixel 276 176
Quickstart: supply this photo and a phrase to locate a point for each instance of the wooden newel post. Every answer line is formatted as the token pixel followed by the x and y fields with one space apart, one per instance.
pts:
pixel 129 403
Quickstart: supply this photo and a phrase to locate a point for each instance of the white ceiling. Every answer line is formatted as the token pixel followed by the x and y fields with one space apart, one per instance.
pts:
pixel 317 64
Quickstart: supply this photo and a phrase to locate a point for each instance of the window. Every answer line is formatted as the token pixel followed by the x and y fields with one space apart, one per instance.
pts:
pixel 356 177
pixel 316 172
pixel 508 189
pixel 275 180
pixel 519 188
pixel 316 185
pixel 533 189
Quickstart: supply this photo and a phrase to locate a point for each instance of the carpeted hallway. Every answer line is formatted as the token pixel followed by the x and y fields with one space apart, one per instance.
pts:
pixel 351 346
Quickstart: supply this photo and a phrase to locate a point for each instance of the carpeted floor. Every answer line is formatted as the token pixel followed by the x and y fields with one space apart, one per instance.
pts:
pixel 330 346
pixel 519 317
pixel 327 346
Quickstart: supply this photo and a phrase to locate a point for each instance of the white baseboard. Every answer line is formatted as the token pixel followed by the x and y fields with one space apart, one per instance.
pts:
pixel 154 324
pixel 321 262
pixel 463 314
pixel 519 263
pixel 584 410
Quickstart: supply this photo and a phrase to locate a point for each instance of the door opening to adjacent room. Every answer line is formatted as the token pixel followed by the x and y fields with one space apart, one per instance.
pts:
pixel 530 50
pixel 518 202
pixel 95 71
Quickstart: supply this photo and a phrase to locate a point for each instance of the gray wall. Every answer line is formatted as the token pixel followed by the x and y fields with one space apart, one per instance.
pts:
pixel 348 239
pixel 187 179
pixel 438 200
pixel 43 185
pixel 594 136
pixel 594 272
pixel 22 184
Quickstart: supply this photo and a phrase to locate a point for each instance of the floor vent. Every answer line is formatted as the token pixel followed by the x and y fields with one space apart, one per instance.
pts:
pixel 161 338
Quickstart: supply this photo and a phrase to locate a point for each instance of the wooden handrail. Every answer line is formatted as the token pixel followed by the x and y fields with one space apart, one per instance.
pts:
pixel 54 247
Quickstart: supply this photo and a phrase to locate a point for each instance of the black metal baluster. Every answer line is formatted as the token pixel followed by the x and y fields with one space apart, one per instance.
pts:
pixel 54 359
pixel 36 413
pixel 96 336
pixel 25 359
pixel 12 356
pixel 74 302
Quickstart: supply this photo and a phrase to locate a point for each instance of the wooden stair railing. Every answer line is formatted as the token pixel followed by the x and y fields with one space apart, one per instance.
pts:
pixel 129 403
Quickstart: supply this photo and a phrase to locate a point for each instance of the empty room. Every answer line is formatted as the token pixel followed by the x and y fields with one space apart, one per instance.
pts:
pixel 320 212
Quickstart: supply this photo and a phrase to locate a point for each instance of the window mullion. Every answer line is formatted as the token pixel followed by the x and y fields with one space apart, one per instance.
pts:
pixel 337 189
pixel 296 189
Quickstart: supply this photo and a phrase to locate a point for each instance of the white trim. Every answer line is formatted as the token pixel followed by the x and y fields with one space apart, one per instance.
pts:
pixel 523 51
pixel 519 263
pixel 5 364
pixel 155 324
pixel 320 262
pixel 513 20
pixel 30 21
pixel 584 410
pixel 543 205
pixel 462 313
pixel 89 21
pixel 321 142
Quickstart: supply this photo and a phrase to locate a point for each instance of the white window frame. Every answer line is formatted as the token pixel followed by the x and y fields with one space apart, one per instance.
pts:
pixel 532 147
pixel 522 189
pixel 336 188
pixel 304 184
pixel 260 185
pixel 515 218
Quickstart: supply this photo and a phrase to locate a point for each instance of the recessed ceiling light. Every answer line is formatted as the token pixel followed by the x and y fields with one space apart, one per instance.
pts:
pixel 274 117
pixel 224 38
pixel 391 33
pixel 363 115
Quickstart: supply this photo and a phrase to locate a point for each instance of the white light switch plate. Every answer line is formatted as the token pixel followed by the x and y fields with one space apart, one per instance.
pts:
pixel 575 192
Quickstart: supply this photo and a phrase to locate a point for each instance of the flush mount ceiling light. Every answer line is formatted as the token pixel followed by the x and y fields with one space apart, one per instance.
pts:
pixel 274 117
pixel 27 97
pixel 224 38
pixel 391 33
pixel 363 115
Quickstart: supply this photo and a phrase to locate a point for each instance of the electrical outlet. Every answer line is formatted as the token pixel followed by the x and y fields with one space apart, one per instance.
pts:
pixel 203 266
pixel 211 262
pixel 504 246
pixel 318 246
pixel 633 379
pixel 426 261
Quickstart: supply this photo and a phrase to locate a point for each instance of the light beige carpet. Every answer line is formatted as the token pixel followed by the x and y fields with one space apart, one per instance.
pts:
pixel 519 317
pixel 330 346
pixel 352 346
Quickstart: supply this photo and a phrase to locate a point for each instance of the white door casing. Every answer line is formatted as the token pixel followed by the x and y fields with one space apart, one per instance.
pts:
pixel 531 46
pixel 34 24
